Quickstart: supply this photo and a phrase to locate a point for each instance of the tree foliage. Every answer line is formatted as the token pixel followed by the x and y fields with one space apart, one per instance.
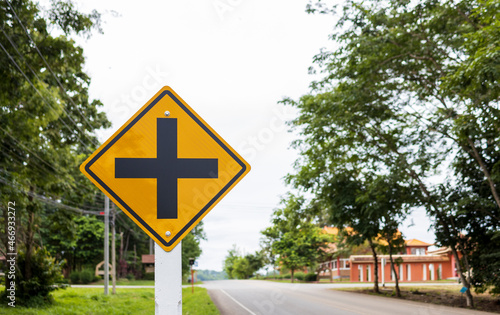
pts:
pixel 296 241
pixel 191 247
pixel 238 266
pixel 47 119
pixel 409 92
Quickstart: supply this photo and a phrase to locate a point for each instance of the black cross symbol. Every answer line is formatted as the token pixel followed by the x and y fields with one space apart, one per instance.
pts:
pixel 166 168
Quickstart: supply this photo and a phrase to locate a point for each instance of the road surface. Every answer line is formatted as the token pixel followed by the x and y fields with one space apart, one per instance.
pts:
pixel 265 298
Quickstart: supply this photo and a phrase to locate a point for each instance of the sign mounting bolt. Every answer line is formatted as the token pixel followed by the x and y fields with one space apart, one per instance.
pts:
pixel 168 233
pixel 167 113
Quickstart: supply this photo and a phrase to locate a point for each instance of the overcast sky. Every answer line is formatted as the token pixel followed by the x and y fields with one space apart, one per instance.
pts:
pixel 231 61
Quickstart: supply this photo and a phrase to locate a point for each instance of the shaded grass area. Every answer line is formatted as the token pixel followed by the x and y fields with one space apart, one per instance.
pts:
pixel 126 301
pixel 448 295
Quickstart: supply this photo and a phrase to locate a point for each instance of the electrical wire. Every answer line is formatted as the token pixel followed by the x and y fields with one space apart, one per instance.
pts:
pixel 47 200
pixel 48 66
pixel 43 98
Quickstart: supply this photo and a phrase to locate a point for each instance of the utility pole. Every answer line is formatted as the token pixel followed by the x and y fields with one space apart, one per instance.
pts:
pixel 113 249
pixel 106 245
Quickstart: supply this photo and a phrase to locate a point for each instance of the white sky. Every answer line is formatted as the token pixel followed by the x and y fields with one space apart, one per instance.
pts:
pixel 231 61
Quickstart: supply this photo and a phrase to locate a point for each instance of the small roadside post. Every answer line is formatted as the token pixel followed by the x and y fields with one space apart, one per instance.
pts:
pixel 191 263
pixel 463 290
pixel 166 168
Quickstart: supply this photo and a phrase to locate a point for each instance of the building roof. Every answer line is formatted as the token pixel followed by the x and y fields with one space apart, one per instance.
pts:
pixel 416 243
pixel 148 259
pixel 413 242
pixel 360 259
pixel 440 251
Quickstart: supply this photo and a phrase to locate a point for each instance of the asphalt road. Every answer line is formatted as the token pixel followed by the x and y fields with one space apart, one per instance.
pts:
pixel 264 297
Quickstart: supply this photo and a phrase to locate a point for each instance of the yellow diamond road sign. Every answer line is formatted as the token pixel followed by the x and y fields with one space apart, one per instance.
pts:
pixel 166 168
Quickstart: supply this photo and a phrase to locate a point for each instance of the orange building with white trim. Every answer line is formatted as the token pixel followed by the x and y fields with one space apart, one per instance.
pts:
pixel 418 264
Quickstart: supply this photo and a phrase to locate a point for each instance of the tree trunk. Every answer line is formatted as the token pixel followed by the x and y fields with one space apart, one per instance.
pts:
pixel 375 266
pixel 292 271
pixel 30 235
pixel 486 173
pixel 465 281
pixel 398 291
pixel 442 219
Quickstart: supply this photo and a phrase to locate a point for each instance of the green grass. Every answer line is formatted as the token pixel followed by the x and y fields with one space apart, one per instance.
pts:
pixel 126 301
pixel 135 282
pixel 198 303
pixel 126 282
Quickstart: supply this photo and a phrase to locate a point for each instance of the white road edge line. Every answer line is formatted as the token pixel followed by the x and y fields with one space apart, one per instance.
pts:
pixel 242 306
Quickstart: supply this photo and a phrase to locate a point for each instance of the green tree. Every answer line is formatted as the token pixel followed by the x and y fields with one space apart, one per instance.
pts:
pixel 47 119
pixel 413 85
pixel 298 242
pixel 35 291
pixel 191 247
pixel 89 241
pixel 230 260
pixel 238 266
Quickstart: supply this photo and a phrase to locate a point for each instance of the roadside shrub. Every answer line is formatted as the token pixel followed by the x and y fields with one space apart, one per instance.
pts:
pixel 46 276
pixel 74 277
pixel 86 276
pixel 286 276
pixel 130 277
pixel 299 276
pixel 149 276
pixel 311 277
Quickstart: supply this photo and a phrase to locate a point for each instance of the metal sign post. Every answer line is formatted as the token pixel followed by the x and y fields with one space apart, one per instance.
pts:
pixel 168 280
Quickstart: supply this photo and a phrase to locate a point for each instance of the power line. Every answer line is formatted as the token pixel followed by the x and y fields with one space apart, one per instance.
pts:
pixel 48 66
pixel 48 200
pixel 39 93
pixel 59 198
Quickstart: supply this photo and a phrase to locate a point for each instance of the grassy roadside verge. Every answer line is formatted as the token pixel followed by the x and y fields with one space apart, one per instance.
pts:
pixel 126 301
pixel 440 295
pixel 136 282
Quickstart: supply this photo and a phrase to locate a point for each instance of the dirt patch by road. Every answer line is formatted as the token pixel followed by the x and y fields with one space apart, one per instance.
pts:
pixel 442 295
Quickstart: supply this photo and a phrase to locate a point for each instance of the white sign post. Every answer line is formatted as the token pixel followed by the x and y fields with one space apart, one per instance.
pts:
pixel 168 280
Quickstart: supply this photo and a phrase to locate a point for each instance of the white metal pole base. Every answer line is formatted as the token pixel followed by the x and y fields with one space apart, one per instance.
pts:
pixel 168 281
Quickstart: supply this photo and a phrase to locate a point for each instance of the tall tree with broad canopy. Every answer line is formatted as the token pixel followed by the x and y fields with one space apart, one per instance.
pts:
pixel 47 119
pixel 413 86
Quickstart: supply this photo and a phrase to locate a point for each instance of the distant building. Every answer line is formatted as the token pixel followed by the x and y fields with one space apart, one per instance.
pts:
pixel 149 263
pixel 417 264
